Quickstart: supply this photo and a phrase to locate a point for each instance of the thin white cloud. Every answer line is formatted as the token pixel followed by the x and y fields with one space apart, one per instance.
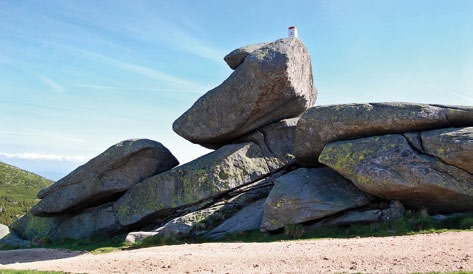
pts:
pixel 47 157
pixel 95 86
pixel 179 83
pixel 53 85
pixel 56 87
pixel 469 99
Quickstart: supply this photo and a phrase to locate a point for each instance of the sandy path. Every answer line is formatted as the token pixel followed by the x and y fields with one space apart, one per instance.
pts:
pixel 403 254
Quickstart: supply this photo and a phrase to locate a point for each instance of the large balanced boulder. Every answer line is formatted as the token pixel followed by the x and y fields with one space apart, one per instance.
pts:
pixel 388 167
pixel 322 125
pixel 273 83
pixel 309 194
pixel 211 175
pixel 105 177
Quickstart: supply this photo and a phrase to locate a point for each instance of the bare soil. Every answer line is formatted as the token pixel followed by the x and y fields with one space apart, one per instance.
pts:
pixel 439 252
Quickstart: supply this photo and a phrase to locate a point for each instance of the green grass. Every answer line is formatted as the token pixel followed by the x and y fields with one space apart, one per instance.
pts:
pixel 93 245
pixel 412 223
pixel 18 189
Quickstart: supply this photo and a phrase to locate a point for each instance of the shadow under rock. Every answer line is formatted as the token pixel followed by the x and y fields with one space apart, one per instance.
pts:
pixel 35 255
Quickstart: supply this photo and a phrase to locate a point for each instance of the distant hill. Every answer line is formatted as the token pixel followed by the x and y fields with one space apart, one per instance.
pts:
pixel 18 189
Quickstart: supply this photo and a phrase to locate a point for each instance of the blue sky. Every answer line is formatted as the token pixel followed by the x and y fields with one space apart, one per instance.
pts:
pixel 79 76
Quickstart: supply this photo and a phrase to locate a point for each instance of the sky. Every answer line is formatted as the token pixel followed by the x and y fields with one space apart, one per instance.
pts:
pixel 77 77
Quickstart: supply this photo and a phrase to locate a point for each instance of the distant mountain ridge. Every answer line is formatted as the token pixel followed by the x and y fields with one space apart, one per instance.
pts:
pixel 18 190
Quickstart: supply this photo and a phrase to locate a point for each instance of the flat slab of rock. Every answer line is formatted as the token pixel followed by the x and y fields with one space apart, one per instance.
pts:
pixel 104 177
pixel 273 83
pixel 92 222
pixel 388 167
pixel 213 174
pixel 309 194
pixel 322 125
pixel 248 218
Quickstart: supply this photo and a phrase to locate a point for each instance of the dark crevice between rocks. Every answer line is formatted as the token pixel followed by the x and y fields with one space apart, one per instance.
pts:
pixel 417 144
pixel 422 151
pixel 265 140
pixel 376 204
pixel 92 202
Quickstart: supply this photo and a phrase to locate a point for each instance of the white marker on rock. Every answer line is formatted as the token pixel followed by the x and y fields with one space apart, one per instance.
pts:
pixel 292 32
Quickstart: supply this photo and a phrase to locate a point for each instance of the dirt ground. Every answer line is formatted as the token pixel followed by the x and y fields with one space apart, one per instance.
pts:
pixel 440 252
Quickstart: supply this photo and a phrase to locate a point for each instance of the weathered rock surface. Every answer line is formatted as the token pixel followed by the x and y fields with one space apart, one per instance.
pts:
pixel 138 236
pixel 354 217
pixel 103 178
pixel 29 226
pixel 92 222
pixel 394 211
pixel 200 222
pixel 208 176
pixel 454 146
pixel 322 125
pixel 276 141
pixel 99 221
pixel 236 57
pixel 309 194
pixel 249 218
pixel 273 83
pixel 388 167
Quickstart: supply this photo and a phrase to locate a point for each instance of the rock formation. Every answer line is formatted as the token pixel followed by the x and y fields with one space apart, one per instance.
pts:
pixel 192 183
pixel 322 125
pixel 309 194
pixel 267 170
pixel 105 177
pixel 273 83
pixel 388 167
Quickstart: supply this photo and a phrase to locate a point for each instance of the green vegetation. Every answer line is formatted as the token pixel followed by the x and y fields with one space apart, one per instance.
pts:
pixel 18 189
pixel 412 223
pixel 96 245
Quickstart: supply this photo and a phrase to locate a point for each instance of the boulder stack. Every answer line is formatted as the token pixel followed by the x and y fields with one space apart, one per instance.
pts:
pixel 278 162
pixel 272 83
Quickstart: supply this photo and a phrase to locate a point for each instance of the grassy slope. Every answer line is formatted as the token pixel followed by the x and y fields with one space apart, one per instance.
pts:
pixel 18 189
